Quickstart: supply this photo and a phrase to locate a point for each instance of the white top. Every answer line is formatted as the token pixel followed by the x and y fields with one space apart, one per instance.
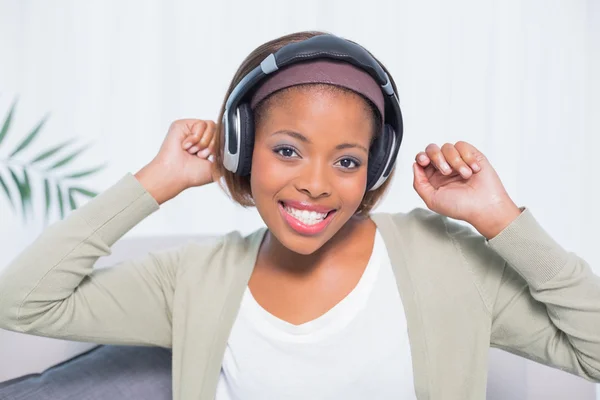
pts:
pixel 359 349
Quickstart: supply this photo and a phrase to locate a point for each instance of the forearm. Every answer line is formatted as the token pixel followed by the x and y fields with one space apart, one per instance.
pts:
pixel 550 308
pixel 158 183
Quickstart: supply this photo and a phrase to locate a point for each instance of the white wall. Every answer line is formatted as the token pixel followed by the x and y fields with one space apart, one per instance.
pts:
pixel 593 118
pixel 519 79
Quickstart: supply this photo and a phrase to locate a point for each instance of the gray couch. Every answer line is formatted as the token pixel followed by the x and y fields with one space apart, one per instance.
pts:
pixel 105 372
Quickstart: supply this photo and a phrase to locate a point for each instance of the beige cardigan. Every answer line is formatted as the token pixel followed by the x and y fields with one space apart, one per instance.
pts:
pixel 520 291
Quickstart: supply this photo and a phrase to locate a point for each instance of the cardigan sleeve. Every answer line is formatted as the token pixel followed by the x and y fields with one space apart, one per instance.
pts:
pixel 52 289
pixel 546 303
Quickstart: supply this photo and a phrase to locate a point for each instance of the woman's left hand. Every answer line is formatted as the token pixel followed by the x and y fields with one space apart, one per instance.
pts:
pixel 458 181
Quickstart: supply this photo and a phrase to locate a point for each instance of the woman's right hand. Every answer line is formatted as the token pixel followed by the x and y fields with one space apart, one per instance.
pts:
pixel 182 161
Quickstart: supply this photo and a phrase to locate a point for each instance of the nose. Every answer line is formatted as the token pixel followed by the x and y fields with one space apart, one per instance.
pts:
pixel 314 179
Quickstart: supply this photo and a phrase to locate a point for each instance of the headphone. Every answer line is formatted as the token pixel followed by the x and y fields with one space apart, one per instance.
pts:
pixel 238 118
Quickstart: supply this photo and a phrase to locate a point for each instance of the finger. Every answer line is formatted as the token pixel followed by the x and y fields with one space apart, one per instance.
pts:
pixel 208 134
pixel 205 138
pixel 470 155
pixel 437 159
pixel 208 151
pixel 199 128
pixel 454 158
pixel 195 131
pixel 204 153
pixel 421 184
pixel 194 149
pixel 422 159
pixel 190 142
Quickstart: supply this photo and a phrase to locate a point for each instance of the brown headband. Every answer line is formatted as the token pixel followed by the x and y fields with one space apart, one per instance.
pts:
pixel 331 72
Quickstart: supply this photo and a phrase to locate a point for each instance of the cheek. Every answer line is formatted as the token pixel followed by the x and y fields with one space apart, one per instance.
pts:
pixel 352 190
pixel 266 177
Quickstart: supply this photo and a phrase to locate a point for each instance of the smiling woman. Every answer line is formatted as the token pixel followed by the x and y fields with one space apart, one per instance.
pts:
pixel 328 300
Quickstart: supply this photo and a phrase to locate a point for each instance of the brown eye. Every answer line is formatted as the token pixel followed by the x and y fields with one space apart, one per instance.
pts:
pixel 285 151
pixel 349 163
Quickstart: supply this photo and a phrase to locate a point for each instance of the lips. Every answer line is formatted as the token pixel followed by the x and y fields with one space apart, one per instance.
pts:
pixel 299 226
pixel 300 205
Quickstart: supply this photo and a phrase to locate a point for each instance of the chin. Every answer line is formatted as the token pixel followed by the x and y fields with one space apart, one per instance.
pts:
pixel 302 245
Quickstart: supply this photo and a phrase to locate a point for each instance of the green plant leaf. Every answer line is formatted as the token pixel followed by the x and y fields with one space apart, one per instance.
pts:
pixel 84 191
pixel 60 201
pixel 27 188
pixel 72 200
pixel 29 137
pixel 22 191
pixel 53 150
pixel 68 158
pixel 7 192
pixel 7 121
pixel 48 198
pixel 86 173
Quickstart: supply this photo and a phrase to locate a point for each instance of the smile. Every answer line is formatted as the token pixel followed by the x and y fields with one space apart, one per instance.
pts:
pixel 305 219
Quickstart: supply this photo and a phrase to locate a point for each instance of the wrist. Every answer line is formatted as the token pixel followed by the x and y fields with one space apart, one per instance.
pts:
pixel 496 220
pixel 158 183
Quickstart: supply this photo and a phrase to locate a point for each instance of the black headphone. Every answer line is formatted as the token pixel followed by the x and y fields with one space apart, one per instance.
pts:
pixel 238 118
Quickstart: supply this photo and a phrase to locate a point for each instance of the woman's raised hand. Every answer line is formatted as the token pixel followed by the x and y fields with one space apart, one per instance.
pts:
pixel 182 161
pixel 458 181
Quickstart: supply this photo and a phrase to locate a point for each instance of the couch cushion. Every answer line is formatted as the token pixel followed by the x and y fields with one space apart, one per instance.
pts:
pixel 105 372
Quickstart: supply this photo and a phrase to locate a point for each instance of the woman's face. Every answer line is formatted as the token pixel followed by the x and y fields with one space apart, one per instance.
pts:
pixel 309 165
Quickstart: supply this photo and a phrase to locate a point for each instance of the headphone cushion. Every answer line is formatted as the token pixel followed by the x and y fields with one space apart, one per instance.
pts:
pixel 246 139
pixel 379 153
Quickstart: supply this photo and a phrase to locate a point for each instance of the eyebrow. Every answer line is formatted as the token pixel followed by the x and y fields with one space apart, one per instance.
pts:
pixel 304 139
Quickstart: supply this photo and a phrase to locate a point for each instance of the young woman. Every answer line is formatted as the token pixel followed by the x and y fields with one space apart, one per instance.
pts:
pixel 329 300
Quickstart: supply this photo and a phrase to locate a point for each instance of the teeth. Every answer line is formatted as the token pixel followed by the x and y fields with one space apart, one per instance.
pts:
pixel 305 216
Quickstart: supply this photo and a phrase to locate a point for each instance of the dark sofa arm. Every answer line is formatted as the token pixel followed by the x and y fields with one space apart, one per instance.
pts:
pixel 105 372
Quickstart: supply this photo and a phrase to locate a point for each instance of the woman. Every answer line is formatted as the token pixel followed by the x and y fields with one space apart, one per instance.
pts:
pixel 329 301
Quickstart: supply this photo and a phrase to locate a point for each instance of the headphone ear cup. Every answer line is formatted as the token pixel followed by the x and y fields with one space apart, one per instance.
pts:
pixel 246 139
pixel 379 153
